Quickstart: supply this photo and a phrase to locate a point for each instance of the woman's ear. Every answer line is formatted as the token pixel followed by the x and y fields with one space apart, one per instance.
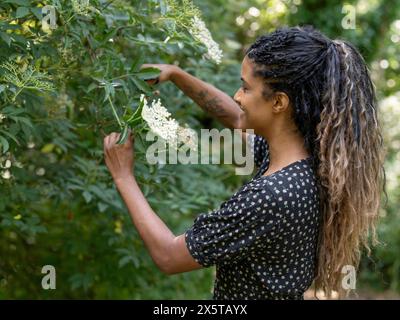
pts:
pixel 281 102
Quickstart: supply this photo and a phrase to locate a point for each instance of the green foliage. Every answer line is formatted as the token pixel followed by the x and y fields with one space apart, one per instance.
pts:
pixel 61 92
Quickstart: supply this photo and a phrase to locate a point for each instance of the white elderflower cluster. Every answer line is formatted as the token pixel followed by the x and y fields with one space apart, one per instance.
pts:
pixel 6 162
pixel 188 136
pixel 2 117
pixel 160 122
pixel 27 77
pixel 200 32
pixel 5 165
pixel 81 7
pixel 6 174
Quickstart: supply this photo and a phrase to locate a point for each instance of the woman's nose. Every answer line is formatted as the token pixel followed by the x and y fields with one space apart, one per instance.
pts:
pixel 236 97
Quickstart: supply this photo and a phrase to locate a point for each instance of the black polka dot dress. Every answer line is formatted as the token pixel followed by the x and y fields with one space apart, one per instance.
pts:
pixel 262 240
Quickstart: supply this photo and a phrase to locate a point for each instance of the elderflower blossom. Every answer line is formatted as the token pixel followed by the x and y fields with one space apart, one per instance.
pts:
pixel 200 32
pixel 6 165
pixel 26 77
pixel 159 120
pixel 2 117
pixel 6 174
pixel 81 7
pixel 188 136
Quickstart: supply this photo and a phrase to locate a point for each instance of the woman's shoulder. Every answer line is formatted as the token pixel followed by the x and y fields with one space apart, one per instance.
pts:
pixel 293 183
pixel 295 170
pixel 297 178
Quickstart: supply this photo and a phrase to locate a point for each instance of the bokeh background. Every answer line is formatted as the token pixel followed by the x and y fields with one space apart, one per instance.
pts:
pixel 58 205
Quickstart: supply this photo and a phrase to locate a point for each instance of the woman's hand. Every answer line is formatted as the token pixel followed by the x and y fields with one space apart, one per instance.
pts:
pixel 119 157
pixel 167 72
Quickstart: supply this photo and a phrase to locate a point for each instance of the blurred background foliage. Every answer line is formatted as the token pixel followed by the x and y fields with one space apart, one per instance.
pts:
pixel 58 205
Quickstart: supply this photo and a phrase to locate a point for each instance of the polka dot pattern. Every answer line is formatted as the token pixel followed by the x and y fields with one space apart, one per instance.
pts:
pixel 263 239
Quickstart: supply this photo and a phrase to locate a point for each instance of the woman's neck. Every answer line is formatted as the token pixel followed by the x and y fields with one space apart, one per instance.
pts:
pixel 285 148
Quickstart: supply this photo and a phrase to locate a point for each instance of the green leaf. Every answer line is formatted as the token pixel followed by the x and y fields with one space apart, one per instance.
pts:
pixel 140 84
pixel 20 39
pixel 4 144
pixel 137 63
pixel 109 36
pixel 97 191
pixel 37 12
pixel 22 12
pixel 148 73
pixel 137 113
pixel 11 27
pixel 24 120
pixel 19 2
pixel 6 38
pixel 10 136
pixel 88 196
pixel 10 110
pixel 109 90
pixel 102 206
pixel 124 135
pixel 134 122
pixel 124 261
pixel 91 87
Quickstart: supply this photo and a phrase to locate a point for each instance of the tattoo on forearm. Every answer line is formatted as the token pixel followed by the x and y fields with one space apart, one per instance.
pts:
pixel 212 105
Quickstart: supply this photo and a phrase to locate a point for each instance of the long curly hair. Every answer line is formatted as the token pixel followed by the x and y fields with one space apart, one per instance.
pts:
pixel 334 107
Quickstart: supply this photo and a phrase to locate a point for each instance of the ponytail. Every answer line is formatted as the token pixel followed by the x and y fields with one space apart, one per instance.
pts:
pixel 351 164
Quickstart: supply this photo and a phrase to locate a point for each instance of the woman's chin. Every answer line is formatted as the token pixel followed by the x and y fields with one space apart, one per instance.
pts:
pixel 242 121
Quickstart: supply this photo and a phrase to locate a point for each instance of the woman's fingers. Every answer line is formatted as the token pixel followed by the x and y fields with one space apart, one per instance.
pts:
pixel 106 145
pixel 155 80
pixel 115 137
pixel 148 65
pixel 110 140
pixel 132 136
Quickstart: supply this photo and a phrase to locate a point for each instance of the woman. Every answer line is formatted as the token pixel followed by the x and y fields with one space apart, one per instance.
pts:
pixel 314 201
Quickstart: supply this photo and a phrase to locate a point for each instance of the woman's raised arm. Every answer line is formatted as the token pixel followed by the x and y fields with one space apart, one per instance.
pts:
pixel 214 101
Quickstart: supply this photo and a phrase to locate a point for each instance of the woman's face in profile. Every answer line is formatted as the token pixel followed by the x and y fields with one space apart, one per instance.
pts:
pixel 256 109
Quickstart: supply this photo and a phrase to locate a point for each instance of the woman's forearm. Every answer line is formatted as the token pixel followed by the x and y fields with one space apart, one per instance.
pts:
pixel 220 105
pixel 156 236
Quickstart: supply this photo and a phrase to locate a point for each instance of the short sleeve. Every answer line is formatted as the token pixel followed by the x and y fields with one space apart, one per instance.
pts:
pixel 239 227
pixel 259 148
